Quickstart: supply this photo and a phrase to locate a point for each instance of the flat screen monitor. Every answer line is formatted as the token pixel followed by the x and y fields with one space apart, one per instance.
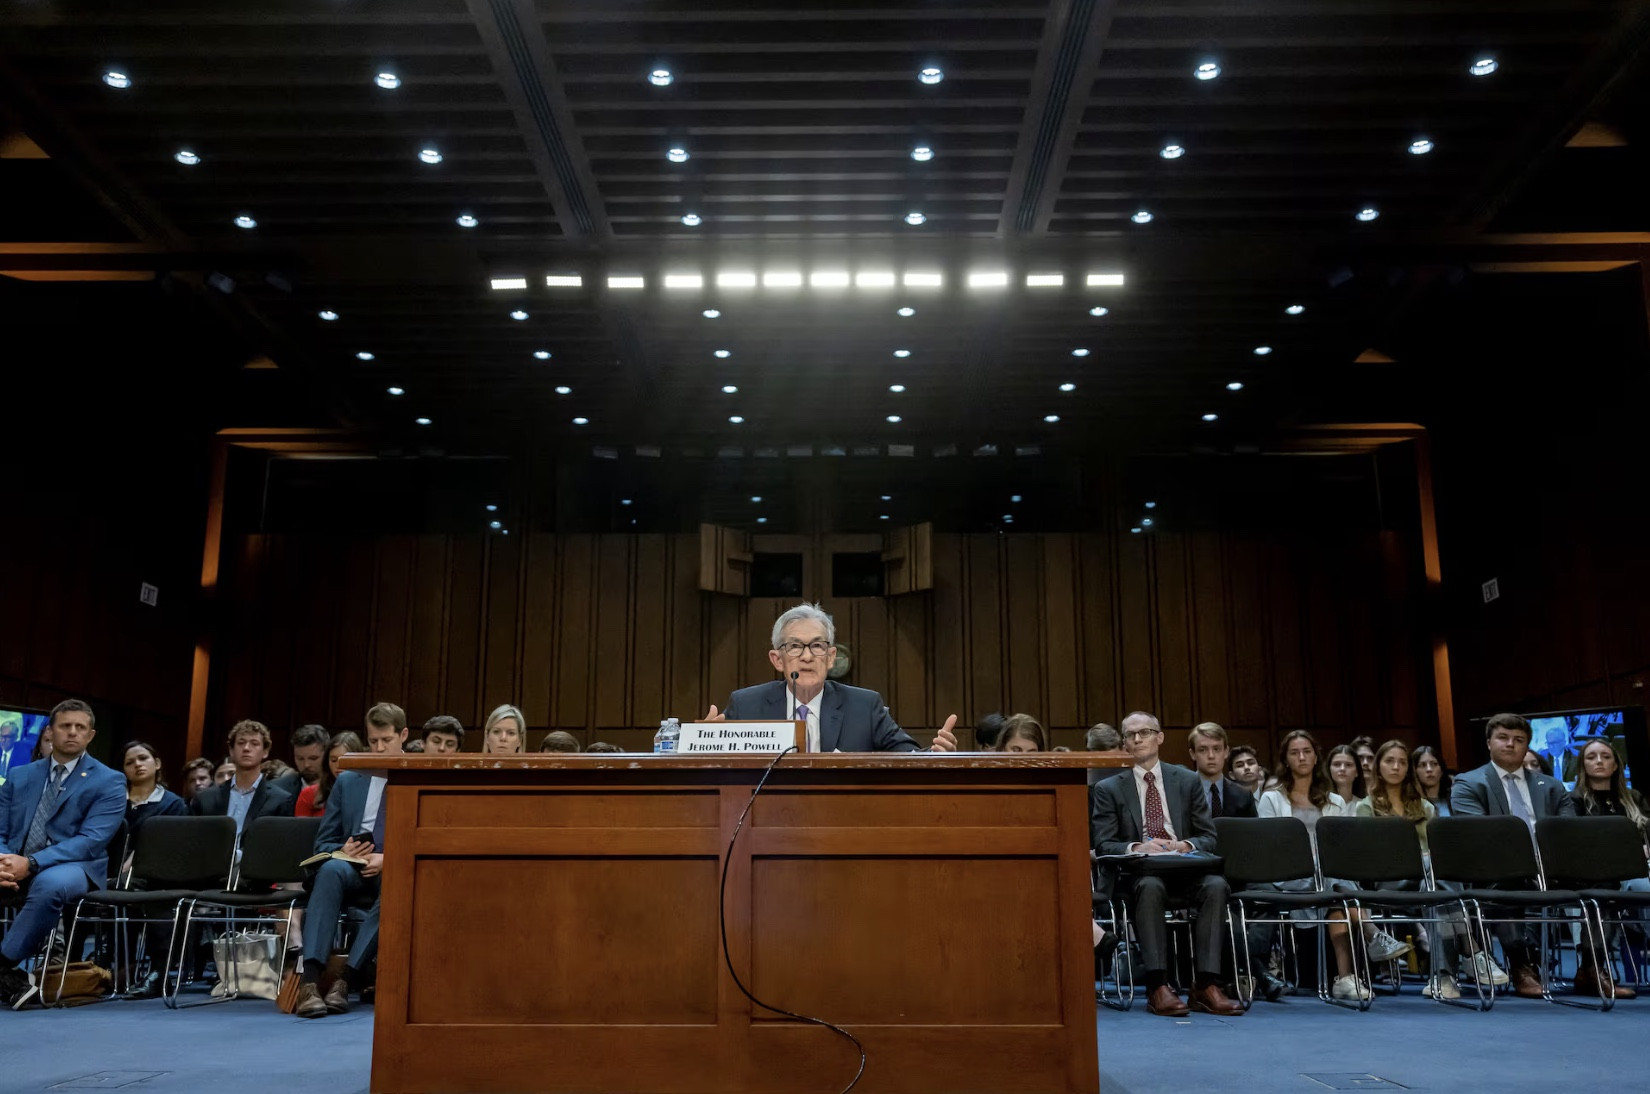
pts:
pixel 1561 735
pixel 19 733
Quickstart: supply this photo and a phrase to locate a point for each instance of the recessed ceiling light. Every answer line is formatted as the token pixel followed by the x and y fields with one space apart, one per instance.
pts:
pixel 328 314
pixel 988 279
pixel 563 389
pixel 902 353
pixel 1099 312
pixel 1368 213
pixel 563 281
pixel 661 77
pixel 922 153
pixel 1051 418
pixel 692 220
pixel 730 389
pixel 882 516
pixel 492 508
pixel 504 283
pixel 782 279
pixel 723 353
pixel 1294 309
pixel 1068 387
pixel 389 81
pixel 118 79
pixel 830 279
pixel 186 157
pixel 1146 522
pixel 542 354
pixel 1014 497
pixel 677 154
pixel 1172 151
pixel 1103 280
pixel 897 389
pixel 467 220
pixel 1136 529
pixel 1235 385
pixel 887 497
pixel 581 421
pixel 244 221
pixel 1079 352
pixel 931 75
pixel 1143 217
pixel 761 520
pixel 1045 281
pixel 736 419
pixel 915 219
pixel 518 315
pixel 626 282
pixel 396 390
pixel 495 524
pixel 1208 70
pixel 429 155
pixel 756 499
pixel 1420 146
pixel 711 313
pixel 1483 66
pixel 365 355
pixel 894 419
pixel 1210 417
pixel 906 313
pixel 422 421
pixel 684 281
pixel 1151 505
pixel 875 279
pixel 736 279
pixel 923 280
pixel 1262 351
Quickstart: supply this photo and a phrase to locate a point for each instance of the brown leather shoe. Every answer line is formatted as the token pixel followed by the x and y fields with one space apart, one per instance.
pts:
pixel 310 1004
pixel 1211 1000
pixel 1525 983
pixel 1163 1001
pixel 1587 983
pixel 337 1000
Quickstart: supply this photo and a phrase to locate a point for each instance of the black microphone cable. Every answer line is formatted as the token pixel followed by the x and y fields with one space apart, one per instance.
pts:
pixel 727 957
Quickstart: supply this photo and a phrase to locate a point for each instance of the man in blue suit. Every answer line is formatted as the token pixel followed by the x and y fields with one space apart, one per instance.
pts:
pixel 840 718
pixel 57 817
pixel 1503 788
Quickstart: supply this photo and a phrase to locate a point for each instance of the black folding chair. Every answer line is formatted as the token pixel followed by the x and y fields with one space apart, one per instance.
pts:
pixel 1594 855
pixel 272 849
pixel 1494 861
pixel 1121 961
pixel 175 855
pixel 1262 852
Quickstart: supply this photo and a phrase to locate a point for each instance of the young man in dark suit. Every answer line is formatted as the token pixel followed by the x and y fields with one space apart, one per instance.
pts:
pixel 1209 748
pixel 1504 788
pixel 839 718
pixel 309 753
pixel 57 816
pixel 247 795
pixel 1159 809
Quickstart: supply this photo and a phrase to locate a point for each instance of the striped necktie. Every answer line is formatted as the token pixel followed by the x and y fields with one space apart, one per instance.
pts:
pixel 43 812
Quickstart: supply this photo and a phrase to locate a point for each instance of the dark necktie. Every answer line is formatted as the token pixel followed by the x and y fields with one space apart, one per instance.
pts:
pixel 1155 828
pixel 1214 799
pixel 43 812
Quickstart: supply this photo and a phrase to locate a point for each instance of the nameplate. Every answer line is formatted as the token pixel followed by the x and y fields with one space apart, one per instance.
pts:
pixel 703 737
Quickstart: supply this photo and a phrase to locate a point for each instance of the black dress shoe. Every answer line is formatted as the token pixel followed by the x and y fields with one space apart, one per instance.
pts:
pixel 147 988
pixel 16 988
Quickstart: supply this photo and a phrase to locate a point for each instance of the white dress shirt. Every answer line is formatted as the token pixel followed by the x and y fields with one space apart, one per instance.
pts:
pixel 1523 786
pixel 813 715
pixel 369 812
pixel 1140 788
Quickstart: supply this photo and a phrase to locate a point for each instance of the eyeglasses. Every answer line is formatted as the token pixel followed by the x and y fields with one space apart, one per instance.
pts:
pixel 794 649
pixel 1139 734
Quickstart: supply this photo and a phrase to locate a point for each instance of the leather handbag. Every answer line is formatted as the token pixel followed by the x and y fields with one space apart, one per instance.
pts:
pixel 80 983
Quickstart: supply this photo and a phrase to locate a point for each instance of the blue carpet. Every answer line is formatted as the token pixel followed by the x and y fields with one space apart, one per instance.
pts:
pixel 245 1047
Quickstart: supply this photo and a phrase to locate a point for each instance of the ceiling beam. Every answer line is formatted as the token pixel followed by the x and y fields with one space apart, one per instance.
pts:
pixel 1074 36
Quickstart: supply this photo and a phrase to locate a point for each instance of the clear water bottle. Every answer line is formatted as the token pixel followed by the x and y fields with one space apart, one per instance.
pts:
pixel 670 731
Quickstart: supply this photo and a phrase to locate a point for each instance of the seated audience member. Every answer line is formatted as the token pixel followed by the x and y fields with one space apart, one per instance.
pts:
pixel 309 756
pixel 197 776
pixel 1536 761
pixel 224 773
pixel 42 747
pixel 1346 774
pixel 1503 788
pixel 146 793
pixel 1363 750
pixel 603 746
pixel 1101 738
pixel 248 795
pixel 1209 748
pixel 442 735
pixel 989 732
pixel 1432 777
pixel 1157 808
pixel 277 771
pixel 559 741
pixel 1022 733
pixel 414 747
pixel 57 817
pixel 1602 791
pixel 1060 748
pixel 1304 792
pixel 1243 764
pixel 503 731
pixel 839 718
pixel 312 800
pixel 353 823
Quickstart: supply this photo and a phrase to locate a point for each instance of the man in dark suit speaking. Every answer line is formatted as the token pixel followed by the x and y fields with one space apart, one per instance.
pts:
pixel 840 718
pixel 1160 809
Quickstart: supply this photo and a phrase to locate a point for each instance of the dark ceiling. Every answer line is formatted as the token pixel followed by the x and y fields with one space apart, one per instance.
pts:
pixel 799 119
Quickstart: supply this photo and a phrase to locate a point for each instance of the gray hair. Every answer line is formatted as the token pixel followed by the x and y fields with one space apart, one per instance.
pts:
pixel 506 711
pixel 802 612
pixel 1134 715
pixel 1101 738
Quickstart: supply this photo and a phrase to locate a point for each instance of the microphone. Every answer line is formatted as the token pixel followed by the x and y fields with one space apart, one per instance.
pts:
pixel 795 675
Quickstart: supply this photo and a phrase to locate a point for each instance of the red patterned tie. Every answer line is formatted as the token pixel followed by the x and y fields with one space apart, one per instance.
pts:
pixel 1154 809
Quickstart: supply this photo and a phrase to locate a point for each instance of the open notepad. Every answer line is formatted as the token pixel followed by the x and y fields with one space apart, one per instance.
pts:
pixel 339 855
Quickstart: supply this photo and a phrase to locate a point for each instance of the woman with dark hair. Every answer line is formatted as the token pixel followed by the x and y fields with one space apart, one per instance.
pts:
pixel 1022 733
pixel 146 793
pixel 1432 777
pixel 989 732
pixel 312 799
pixel 1346 773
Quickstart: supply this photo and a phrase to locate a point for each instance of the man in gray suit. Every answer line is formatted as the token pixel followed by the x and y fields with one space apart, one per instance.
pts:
pixel 1161 809
pixel 840 718
pixel 1504 788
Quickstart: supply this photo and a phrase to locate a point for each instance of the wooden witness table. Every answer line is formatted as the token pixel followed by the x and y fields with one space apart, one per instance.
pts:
pixel 550 923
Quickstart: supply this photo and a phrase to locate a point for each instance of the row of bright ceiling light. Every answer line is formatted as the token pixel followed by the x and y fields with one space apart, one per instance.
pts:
pixel 819 279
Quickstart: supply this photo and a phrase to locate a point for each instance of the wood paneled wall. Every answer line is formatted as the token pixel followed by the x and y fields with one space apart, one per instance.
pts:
pixel 601 635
